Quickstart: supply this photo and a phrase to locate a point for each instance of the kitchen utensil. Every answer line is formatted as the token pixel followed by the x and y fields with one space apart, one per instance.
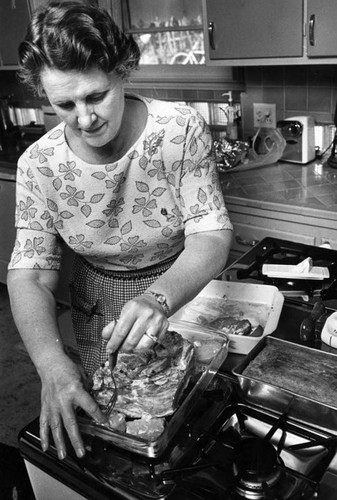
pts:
pixel 107 410
pixel 112 363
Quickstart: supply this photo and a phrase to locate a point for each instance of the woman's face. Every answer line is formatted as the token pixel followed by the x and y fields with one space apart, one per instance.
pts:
pixel 91 103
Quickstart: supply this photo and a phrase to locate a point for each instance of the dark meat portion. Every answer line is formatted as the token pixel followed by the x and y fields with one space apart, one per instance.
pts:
pixel 231 325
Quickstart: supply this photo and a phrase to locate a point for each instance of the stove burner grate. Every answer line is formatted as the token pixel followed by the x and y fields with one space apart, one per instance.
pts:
pixel 256 467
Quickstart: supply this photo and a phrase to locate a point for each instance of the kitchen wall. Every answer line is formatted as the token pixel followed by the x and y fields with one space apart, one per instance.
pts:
pixel 9 84
pixel 296 90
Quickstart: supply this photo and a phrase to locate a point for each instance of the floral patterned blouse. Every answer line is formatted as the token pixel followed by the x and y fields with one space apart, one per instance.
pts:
pixel 130 214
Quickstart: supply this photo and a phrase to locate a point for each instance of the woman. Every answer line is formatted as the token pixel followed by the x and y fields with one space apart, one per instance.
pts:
pixel 129 184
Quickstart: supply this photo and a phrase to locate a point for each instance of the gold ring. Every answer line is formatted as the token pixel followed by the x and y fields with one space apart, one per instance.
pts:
pixel 151 337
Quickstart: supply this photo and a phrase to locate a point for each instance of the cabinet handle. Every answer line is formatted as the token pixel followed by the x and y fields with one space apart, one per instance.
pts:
pixel 211 34
pixel 246 243
pixel 312 30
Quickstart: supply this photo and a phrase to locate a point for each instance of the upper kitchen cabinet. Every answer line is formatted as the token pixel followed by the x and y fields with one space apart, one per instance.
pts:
pixel 14 16
pixel 321 31
pixel 171 39
pixel 14 19
pixel 270 32
pixel 107 4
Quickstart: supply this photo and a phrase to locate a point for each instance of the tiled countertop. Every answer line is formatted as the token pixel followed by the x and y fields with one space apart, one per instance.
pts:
pixel 288 187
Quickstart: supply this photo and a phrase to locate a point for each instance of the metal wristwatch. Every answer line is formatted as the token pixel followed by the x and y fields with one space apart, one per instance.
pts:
pixel 161 299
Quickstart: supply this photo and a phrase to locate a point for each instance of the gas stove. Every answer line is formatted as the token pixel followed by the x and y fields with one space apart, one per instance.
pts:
pixel 228 450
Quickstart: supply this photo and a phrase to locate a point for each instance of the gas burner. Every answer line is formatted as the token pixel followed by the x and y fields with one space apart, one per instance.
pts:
pixel 256 468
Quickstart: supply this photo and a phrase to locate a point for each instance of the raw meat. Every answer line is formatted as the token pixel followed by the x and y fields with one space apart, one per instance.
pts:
pixel 149 382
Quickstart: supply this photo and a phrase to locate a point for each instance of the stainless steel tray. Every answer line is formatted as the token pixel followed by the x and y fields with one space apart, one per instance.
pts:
pixel 134 444
pixel 272 397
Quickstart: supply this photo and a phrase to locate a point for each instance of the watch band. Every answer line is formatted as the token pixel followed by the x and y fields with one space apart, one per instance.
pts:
pixel 161 299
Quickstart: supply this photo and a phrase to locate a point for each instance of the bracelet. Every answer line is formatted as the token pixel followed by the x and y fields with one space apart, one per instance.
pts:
pixel 161 299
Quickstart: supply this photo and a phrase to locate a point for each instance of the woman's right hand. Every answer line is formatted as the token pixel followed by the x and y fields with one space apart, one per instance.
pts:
pixel 62 392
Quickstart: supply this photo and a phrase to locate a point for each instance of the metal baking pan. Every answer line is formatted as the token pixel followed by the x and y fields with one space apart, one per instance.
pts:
pixel 268 396
pixel 134 444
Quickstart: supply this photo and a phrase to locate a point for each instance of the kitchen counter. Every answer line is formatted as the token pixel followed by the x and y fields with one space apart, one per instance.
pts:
pixel 288 187
pixel 282 200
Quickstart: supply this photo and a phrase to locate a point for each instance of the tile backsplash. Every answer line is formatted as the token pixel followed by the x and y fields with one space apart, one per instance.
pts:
pixel 296 90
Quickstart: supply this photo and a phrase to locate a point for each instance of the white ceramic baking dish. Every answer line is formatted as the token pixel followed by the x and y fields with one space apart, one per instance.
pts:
pixel 260 304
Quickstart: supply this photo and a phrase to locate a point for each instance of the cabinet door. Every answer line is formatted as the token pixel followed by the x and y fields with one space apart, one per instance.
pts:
pixel 14 16
pixel 322 32
pixel 244 29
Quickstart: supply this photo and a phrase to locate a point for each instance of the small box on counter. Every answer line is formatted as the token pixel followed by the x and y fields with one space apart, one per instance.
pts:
pixel 244 311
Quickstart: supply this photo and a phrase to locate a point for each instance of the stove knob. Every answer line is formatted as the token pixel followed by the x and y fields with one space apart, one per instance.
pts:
pixel 307 330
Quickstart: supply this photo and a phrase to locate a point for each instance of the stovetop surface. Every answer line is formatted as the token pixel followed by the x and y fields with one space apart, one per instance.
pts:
pixel 208 460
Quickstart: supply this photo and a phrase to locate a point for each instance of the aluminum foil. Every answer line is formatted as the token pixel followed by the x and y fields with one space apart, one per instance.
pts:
pixel 230 153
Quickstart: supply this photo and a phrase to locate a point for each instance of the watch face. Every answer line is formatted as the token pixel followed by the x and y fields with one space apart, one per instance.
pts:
pixel 161 299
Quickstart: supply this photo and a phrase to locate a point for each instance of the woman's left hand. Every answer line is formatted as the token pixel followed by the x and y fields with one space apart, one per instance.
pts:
pixel 142 322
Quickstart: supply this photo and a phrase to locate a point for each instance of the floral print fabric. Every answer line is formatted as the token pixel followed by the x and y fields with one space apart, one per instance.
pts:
pixel 129 214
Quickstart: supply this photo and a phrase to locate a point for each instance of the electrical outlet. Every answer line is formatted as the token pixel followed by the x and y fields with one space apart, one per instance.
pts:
pixel 264 115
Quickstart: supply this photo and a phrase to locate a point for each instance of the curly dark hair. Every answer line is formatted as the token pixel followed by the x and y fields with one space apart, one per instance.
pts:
pixel 73 36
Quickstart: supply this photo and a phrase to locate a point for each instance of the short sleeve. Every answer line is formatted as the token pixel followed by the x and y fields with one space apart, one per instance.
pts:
pixel 37 244
pixel 201 195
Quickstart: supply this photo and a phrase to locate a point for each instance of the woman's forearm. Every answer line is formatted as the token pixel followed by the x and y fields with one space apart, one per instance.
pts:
pixel 34 311
pixel 204 257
